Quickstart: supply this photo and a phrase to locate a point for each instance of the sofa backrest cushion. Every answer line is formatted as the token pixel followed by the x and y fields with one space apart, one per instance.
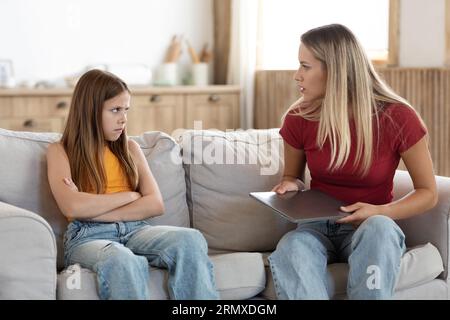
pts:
pixel 164 158
pixel 221 169
pixel 24 183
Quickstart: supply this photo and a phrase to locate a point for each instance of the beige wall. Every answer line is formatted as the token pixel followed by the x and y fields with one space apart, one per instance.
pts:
pixel 48 39
pixel 422 33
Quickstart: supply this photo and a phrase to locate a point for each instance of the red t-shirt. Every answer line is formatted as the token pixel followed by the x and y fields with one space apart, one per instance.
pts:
pixel 400 128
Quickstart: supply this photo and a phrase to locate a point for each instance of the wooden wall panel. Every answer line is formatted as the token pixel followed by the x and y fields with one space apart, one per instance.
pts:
pixel 222 38
pixel 394 32
pixel 447 33
pixel 274 92
pixel 427 89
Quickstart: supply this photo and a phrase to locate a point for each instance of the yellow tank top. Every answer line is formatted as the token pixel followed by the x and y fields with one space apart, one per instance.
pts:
pixel 116 179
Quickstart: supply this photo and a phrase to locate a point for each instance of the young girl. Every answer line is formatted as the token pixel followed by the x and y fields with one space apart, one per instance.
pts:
pixel 102 183
pixel 351 129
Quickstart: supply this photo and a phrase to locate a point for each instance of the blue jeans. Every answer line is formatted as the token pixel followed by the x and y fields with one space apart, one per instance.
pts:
pixel 121 252
pixel 373 252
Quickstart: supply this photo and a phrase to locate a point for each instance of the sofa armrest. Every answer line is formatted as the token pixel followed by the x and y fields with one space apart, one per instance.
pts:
pixel 28 255
pixel 431 226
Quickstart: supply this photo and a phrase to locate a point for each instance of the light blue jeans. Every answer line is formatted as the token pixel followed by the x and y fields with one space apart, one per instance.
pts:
pixel 373 252
pixel 120 253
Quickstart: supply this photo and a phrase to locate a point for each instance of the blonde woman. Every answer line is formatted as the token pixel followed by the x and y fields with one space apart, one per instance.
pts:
pixel 103 185
pixel 352 130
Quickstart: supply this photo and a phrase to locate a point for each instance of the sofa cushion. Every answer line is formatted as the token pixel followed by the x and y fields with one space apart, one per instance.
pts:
pixel 222 168
pixel 419 265
pixel 164 158
pixel 23 170
pixel 24 177
pixel 76 283
pixel 238 276
pixel 436 289
pixel 28 255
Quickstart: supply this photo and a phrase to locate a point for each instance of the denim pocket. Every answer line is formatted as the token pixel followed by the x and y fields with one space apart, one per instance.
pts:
pixel 74 232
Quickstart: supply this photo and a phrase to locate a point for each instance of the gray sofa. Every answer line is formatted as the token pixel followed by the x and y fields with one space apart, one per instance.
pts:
pixel 205 178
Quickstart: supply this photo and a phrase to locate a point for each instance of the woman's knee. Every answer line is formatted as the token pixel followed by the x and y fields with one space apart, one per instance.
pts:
pixel 298 243
pixel 378 228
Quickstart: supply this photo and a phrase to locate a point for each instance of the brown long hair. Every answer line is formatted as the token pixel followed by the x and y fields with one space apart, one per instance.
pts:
pixel 83 138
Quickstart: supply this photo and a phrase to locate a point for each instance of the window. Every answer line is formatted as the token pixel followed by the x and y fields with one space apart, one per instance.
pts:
pixel 283 21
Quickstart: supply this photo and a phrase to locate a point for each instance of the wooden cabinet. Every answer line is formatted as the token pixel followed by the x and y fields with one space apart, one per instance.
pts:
pixel 37 124
pixel 170 108
pixel 152 109
pixel 160 112
pixel 213 111
pixel 24 112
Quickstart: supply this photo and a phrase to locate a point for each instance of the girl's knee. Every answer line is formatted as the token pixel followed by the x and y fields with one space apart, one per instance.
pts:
pixel 120 257
pixel 190 238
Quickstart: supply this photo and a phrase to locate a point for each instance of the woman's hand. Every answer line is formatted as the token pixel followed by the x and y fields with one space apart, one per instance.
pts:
pixel 361 211
pixel 288 184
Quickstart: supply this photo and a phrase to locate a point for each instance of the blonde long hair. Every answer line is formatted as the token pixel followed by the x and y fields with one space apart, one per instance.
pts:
pixel 83 138
pixel 353 86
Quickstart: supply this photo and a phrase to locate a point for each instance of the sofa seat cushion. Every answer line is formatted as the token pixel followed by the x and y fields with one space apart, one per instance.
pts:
pixel 419 265
pixel 238 276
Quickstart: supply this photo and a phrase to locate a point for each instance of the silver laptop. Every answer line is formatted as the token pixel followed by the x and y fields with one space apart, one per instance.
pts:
pixel 302 206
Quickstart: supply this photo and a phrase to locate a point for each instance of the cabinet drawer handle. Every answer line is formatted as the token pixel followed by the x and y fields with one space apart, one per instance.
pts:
pixel 155 98
pixel 28 123
pixel 61 105
pixel 214 98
